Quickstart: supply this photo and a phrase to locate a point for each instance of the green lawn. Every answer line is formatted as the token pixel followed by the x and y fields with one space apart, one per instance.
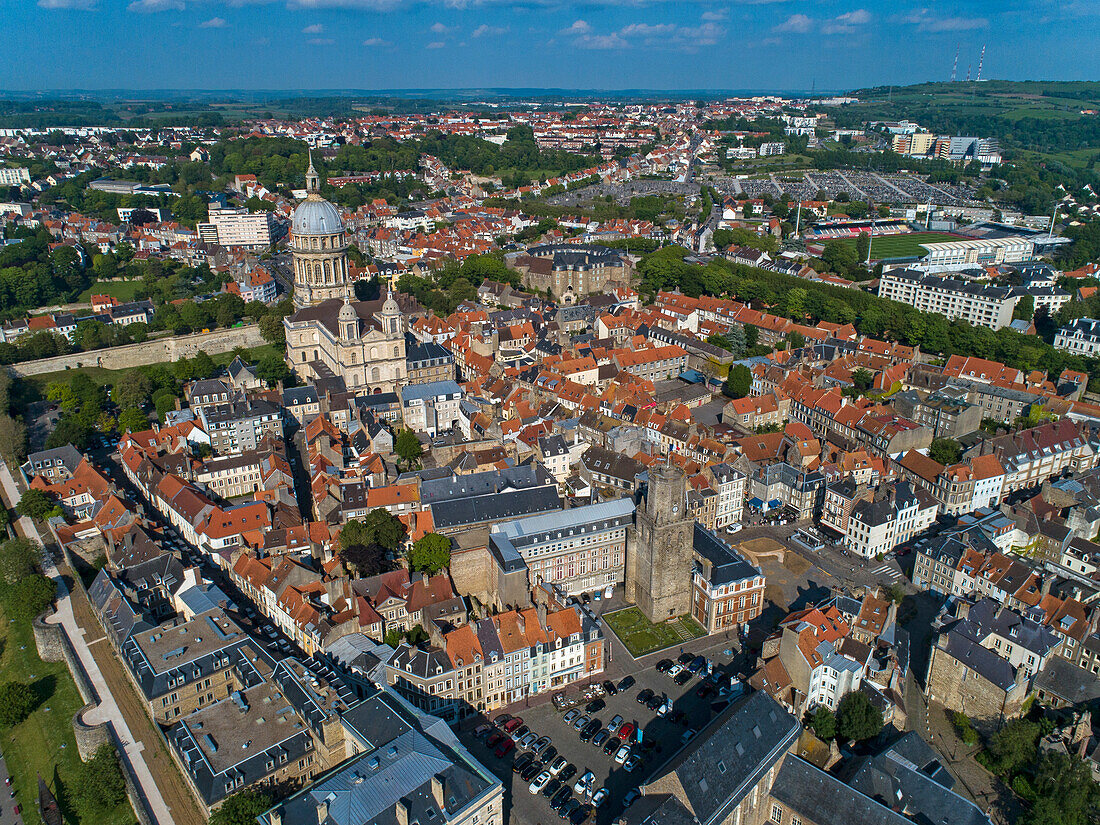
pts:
pixel 43 743
pixel 123 290
pixel 901 246
pixel 641 636
pixel 108 377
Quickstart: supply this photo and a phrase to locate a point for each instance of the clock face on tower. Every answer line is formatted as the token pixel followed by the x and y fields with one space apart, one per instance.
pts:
pixel 675 509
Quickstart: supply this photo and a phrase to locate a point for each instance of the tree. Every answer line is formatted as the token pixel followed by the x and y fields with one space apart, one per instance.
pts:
pixel 132 419
pixel 384 528
pixel 863 246
pixel 18 559
pixel 407 446
pixel 1065 790
pixel 132 389
pixel 862 379
pixel 35 504
pixel 30 596
pixel 752 335
pixel 1025 309
pixel 272 369
pixel 1013 747
pixel 241 808
pixel 946 451
pixel 857 718
pixel 823 722
pixel 796 340
pixel 16 703
pixel 100 787
pixel 738 382
pixel 13 439
pixel 271 328
pixel 430 553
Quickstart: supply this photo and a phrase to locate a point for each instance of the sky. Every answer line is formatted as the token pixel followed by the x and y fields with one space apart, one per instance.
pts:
pixel 571 44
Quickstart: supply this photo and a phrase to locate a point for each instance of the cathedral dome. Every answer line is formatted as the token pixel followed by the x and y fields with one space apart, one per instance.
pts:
pixel 316 216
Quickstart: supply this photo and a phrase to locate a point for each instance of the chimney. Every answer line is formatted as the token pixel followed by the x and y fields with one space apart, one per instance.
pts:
pixel 541 608
pixel 276 816
pixel 402 812
pixel 322 811
pixel 437 791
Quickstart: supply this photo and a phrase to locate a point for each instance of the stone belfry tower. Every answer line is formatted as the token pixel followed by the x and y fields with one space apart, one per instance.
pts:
pixel 659 557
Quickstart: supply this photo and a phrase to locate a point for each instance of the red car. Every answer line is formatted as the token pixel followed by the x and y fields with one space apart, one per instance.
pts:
pixel 513 723
pixel 494 738
pixel 503 748
pixel 626 733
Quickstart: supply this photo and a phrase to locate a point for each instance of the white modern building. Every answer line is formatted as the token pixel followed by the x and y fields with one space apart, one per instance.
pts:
pixel 977 304
pixel 236 227
pixel 947 255
pixel 431 408
pixel 14 176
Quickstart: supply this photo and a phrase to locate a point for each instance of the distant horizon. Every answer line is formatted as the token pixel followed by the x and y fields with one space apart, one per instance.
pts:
pixel 643 46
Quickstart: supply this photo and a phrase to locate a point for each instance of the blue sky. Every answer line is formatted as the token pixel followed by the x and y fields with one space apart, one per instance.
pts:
pixel 605 44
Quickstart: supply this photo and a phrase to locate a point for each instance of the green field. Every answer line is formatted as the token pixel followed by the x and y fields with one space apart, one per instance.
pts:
pixel 641 636
pixel 123 290
pixel 108 377
pixel 43 743
pixel 902 246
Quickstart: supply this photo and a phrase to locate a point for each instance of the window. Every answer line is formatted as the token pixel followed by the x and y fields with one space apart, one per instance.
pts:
pixel 777 813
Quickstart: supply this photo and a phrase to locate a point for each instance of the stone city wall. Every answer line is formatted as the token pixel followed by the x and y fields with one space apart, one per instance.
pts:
pixel 148 352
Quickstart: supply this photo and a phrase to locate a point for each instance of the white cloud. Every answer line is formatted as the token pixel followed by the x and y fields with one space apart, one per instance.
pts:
pixel 926 21
pixel 213 23
pixel 485 30
pixel 841 24
pixel 715 16
pixel 436 44
pixel 578 27
pixel 316 28
pixel 651 35
pixel 150 6
pixel 376 41
pixel 77 5
pixel 602 42
pixel 439 28
pixel 797 23
pixel 320 41
pixel 847 22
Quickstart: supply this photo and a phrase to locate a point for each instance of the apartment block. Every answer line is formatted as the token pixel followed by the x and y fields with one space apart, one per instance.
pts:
pixel 977 304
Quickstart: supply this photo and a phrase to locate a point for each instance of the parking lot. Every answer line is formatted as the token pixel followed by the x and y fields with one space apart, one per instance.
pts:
pixel 685 714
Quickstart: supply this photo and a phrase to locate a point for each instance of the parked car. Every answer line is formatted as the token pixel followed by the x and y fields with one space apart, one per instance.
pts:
pixel 580 814
pixel 551 788
pixel 560 798
pixel 511 723
pixel 626 683
pixel 697 664
pixel 600 737
pixel 674 671
pixel 615 723
pixel 612 745
pixel 685 658
pixel 590 730
pixel 548 756
pixel 663 665
pixel 520 732
pixel 541 744
pixel 581 722
pixel 585 782
pixel 665 709
pixel 595 706
pixel 599 797
pixel 631 762
pixel 626 732
pixel 655 702
pixel 687 735
pixel 522 761
pixel 568 772
pixel 558 765
pixel 609 686
pixel 493 738
pixel 530 772
pixel 504 748
pixel 571 716
pixel 568 808
pixel 481 730
pixel 632 796
pixel 622 754
pixel 644 696
pixel 527 741
pixel 683 678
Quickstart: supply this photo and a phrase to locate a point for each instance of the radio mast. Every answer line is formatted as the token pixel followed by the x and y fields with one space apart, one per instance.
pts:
pixel 955 65
pixel 981 60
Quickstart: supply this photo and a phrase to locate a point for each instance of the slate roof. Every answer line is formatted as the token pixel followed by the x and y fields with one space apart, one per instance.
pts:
pixel 826 800
pixel 727 564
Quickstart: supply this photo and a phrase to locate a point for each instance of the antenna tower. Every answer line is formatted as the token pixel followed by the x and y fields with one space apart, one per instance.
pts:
pixel 955 65
pixel 981 60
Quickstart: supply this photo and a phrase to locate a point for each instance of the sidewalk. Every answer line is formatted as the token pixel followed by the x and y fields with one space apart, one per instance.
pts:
pixel 108 710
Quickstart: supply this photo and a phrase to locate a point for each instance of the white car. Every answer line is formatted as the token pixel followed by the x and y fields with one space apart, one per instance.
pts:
pixel 584 783
pixel 622 754
pixel 734 528
pixel 665 709
pixel 599 797
pixel 674 671
pixel 558 765
pixel 539 782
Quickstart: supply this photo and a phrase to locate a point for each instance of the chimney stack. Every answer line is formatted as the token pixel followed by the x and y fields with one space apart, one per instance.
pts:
pixel 437 791
pixel 402 812
pixel 276 816
pixel 322 811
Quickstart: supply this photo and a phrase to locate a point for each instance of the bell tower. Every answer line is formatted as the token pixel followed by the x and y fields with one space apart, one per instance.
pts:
pixel 660 553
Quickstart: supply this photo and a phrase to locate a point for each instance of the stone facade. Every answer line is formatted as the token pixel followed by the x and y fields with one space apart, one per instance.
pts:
pixel 572 271
pixel 660 554
pixel 961 688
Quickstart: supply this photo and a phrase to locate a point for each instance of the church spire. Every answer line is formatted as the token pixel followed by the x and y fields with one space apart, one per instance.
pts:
pixel 313 180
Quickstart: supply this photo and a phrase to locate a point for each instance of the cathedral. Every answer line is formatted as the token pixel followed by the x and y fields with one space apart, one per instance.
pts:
pixel 329 334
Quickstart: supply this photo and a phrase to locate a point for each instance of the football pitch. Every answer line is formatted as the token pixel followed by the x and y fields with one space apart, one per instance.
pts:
pixel 902 246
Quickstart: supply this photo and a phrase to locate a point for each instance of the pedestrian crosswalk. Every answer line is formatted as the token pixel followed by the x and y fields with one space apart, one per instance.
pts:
pixel 887 570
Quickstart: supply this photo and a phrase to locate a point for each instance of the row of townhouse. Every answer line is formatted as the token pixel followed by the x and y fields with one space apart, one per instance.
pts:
pixel 1032 456
pixel 493 662
pixel 970 485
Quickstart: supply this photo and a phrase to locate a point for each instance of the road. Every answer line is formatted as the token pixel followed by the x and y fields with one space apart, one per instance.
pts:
pixel 133 748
